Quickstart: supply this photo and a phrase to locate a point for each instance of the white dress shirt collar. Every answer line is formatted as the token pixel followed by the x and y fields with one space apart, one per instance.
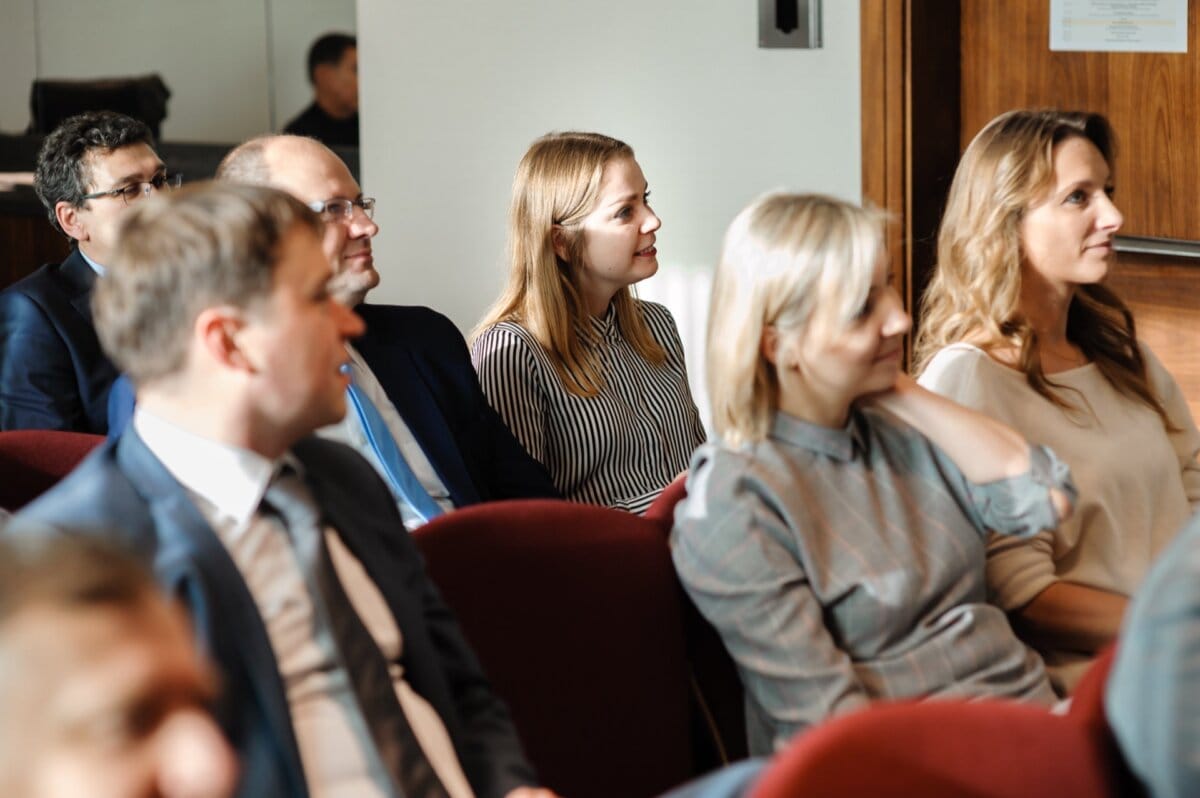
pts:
pixel 230 478
pixel 96 267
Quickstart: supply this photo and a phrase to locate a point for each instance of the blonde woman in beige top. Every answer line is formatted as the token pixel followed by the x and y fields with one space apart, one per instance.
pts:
pixel 1017 323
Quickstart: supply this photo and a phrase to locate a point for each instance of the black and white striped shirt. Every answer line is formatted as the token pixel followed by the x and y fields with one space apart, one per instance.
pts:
pixel 619 448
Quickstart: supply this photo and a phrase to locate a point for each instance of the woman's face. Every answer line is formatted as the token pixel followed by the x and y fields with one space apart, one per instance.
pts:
pixel 826 373
pixel 618 235
pixel 1066 235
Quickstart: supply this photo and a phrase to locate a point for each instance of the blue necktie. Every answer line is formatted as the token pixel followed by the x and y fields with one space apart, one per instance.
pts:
pixel 399 473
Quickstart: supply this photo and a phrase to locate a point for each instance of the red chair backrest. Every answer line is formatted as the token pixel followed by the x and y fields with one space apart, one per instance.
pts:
pixel 943 749
pixel 1087 702
pixel 718 688
pixel 32 461
pixel 1087 710
pixel 662 510
pixel 574 613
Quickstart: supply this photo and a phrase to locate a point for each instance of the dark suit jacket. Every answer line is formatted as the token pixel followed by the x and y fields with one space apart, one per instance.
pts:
pixel 421 360
pixel 123 492
pixel 53 373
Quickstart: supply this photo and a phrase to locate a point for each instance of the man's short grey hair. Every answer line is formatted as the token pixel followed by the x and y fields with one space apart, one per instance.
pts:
pixel 207 245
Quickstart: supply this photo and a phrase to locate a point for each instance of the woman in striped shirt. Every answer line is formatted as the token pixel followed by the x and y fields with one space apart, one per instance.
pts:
pixel 589 379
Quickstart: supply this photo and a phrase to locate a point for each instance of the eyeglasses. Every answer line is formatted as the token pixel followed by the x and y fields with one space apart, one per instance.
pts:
pixel 135 191
pixel 335 208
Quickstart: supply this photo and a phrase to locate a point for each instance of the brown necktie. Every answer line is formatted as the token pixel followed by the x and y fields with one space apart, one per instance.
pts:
pixel 401 755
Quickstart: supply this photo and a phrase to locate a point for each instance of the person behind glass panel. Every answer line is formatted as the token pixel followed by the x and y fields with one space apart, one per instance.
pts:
pixel 332 118
pixel 834 530
pixel 589 379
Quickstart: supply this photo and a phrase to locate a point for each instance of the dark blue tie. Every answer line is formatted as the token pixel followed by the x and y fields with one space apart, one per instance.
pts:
pixel 398 471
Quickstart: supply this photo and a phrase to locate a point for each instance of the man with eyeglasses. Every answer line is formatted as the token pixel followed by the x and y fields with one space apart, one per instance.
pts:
pixel 53 373
pixel 415 410
pixel 342 673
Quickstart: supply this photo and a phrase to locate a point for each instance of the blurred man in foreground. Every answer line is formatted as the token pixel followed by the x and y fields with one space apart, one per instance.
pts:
pixel 342 670
pixel 104 693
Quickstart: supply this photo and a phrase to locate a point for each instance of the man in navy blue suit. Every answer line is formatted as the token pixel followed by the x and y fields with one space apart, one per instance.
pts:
pixel 283 546
pixel 415 391
pixel 53 373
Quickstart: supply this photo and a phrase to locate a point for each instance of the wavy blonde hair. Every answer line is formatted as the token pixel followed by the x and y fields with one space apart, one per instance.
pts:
pixel 789 261
pixel 975 292
pixel 557 186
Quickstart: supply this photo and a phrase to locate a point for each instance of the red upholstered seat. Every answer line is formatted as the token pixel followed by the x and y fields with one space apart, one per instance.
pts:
pixel 1087 710
pixel 662 510
pixel 940 749
pixel 31 461
pixel 718 688
pixel 575 614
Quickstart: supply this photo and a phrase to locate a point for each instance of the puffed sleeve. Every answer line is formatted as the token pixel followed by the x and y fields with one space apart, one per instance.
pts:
pixel 1021 505
pixel 1019 566
pixel 740 564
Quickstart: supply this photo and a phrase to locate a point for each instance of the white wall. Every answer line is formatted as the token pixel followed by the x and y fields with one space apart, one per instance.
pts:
pixel 235 68
pixel 17 63
pixel 453 93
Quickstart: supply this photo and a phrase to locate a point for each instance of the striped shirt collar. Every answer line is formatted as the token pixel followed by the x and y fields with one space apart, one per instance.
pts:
pixel 840 444
pixel 606 327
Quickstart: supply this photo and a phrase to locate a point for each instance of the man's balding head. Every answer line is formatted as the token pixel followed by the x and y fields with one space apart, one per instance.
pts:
pixel 311 172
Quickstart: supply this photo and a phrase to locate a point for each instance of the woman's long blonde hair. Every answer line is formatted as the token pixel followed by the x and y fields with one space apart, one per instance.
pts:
pixel 557 186
pixel 789 261
pixel 975 292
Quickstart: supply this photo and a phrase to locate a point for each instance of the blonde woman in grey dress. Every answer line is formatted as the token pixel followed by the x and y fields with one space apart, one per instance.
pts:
pixel 834 529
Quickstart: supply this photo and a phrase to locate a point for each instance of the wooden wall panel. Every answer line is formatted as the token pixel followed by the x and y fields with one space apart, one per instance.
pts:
pixel 26 242
pixel 935 121
pixel 1158 165
pixel 910 111
pixel 885 116
pixel 1162 293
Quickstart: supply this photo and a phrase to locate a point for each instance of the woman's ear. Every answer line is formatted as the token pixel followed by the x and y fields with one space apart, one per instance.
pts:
pixel 769 345
pixel 558 239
